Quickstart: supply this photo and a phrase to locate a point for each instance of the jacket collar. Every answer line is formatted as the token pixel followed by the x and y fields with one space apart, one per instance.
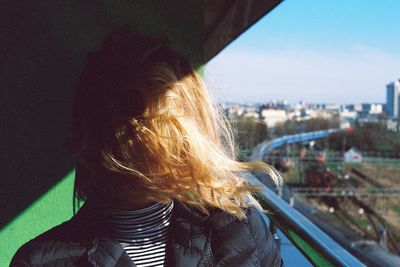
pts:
pixel 106 252
pixel 189 242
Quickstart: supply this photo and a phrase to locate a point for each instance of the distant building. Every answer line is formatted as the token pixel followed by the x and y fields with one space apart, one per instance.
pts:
pixel 324 114
pixel 392 125
pixel 352 156
pixel 376 109
pixel 251 114
pixel 393 99
pixel 347 114
pixel 358 107
pixel 333 108
pixel 350 107
pixel 370 108
pixel 344 124
pixel 273 116
pixel 294 114
pixel 365 108
pixel 368 119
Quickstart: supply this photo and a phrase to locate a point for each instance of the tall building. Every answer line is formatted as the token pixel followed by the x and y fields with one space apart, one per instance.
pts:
pixel 393 99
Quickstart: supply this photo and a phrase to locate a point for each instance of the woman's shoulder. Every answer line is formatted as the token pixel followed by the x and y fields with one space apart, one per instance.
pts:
pixel 67 237
pixel 244 242
pixel 68 245
pixel 42 248
pixel 233 241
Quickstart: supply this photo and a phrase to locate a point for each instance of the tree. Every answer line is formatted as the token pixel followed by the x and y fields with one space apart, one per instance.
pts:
pixel 314 124
pixel 248 133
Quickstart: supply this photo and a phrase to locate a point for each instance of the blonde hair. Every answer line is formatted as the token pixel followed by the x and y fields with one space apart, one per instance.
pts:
pixel 176 145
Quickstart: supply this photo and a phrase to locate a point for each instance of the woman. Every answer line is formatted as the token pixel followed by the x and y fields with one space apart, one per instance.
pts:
pixel 156 168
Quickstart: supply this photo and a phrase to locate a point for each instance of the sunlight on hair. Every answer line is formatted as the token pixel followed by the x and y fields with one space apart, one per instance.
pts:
pixel 183 145
pixel 180 146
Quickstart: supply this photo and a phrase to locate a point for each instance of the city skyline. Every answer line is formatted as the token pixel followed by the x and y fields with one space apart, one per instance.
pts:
pixel 267 101
pixel 301 51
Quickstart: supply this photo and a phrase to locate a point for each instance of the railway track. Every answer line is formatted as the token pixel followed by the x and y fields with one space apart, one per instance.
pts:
pixel 353 188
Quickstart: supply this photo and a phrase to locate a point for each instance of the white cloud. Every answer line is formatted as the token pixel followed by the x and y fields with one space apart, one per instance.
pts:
pixel 359 74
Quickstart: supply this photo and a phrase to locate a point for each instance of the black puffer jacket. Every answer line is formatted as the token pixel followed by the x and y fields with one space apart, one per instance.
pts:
pixel 196 240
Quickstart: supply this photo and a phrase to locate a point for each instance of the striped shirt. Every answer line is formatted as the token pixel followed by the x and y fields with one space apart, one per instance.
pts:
pixel 142 233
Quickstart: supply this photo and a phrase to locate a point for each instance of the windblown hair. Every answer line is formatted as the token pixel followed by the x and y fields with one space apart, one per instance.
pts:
pixel 144 123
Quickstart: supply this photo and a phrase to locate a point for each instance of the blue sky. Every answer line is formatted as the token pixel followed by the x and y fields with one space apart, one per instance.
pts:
pixel 342 51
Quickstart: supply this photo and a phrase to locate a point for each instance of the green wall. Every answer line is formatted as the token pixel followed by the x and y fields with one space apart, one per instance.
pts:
pixel 43 49
pixel 50 209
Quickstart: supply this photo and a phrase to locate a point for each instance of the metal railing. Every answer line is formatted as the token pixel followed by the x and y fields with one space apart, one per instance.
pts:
pixel 312 242
pixel 346 192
